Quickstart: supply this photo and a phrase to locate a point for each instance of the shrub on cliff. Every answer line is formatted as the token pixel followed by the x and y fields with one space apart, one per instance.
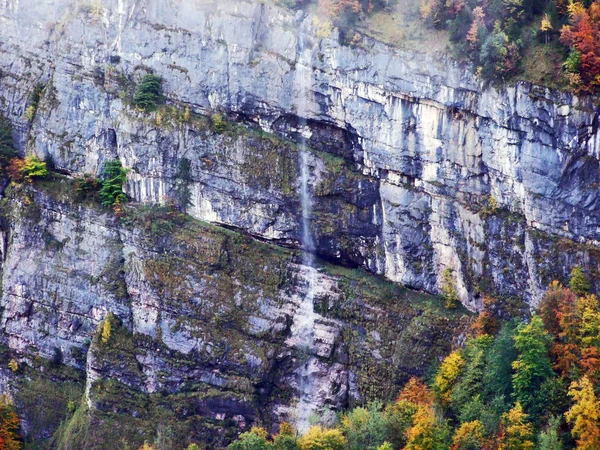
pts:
pixel 148 94
pixel 113 177
pixel 27 169
pixel 86 186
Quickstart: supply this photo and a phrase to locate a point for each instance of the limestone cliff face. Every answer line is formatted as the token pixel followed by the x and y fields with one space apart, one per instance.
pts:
pixel 415 168
pixel 443 171
pixel 202 339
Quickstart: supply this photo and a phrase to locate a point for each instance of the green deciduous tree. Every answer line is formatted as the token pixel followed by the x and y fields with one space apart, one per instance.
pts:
pixel 255 439
pixel 533 366
pixel 578 281
pixel 549 438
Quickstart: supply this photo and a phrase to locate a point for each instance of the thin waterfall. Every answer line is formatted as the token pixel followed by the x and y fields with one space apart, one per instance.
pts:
pixel 304 319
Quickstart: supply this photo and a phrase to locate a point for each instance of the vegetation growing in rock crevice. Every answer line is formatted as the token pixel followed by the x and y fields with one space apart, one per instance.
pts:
pixel 183 194
pixel 113 176
pixel 34 102
pixel 7 146
pixel 449 291
pixel 148 93
pixel 27 169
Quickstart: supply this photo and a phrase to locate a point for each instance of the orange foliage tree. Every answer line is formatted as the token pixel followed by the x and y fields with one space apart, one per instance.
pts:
pixel 9 426
pixel 582 34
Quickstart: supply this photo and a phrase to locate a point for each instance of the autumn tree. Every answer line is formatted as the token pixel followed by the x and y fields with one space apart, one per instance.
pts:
pixel 318 438
pixel 469 436
pixel 546 26
pixel 582 35
pixel 477 30
pixel 428 431
pixel 9 426
pixel 584 415
pixel 106 329
pixel 447 375
pixel 517 433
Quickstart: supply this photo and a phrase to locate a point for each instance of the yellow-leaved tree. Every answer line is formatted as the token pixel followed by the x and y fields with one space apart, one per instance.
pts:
pixel 468 436
pixel 584 415
pixel 447 374
pixel 319 438
pixel 517 433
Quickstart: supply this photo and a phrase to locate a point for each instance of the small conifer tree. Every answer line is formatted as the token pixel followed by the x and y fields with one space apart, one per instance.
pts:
pixel 579 282
pixel 148 94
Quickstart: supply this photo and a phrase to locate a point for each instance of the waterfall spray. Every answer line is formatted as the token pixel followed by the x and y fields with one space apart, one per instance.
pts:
pixel 304 319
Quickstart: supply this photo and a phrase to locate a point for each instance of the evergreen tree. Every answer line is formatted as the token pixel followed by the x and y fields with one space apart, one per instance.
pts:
pixel 7 148
pixel 183 195
pixel 148 93
pixel 113 177
pixel 470 382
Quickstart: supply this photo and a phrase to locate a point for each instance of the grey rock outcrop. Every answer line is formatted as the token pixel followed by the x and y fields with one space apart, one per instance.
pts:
pixel 200 336
pixel 433 146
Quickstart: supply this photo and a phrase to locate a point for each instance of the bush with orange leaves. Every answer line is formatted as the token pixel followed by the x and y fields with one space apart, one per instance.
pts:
pixel 9 426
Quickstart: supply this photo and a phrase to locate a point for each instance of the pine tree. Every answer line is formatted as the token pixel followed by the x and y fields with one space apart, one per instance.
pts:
pixel 7 148
pixel 549 438
pixel 113 177
pixel 148 93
